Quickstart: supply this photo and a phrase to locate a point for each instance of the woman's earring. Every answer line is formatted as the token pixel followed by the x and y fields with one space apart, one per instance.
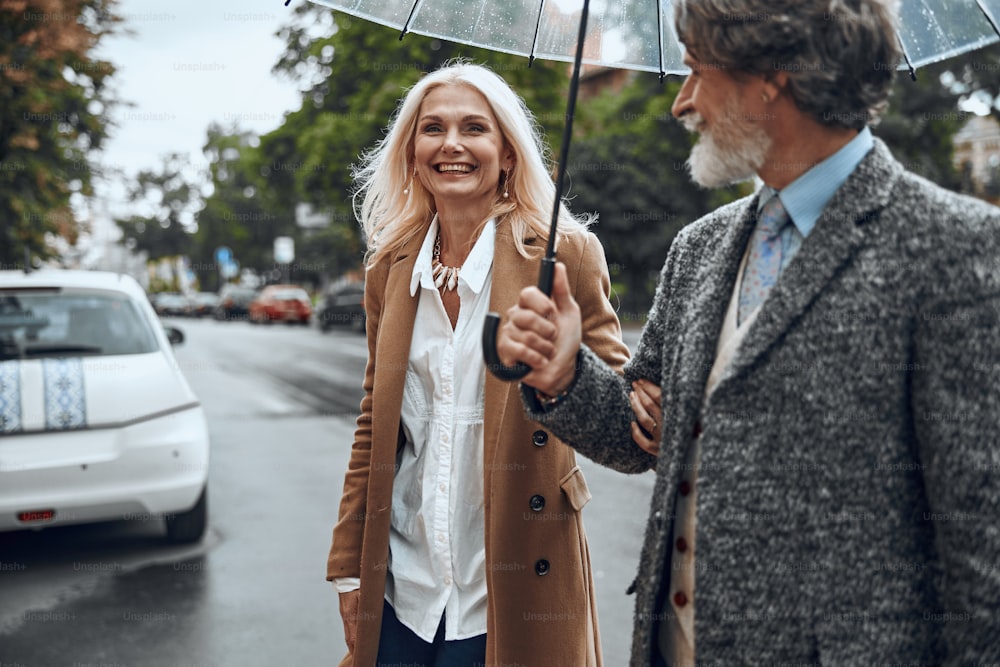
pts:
pixel 506 183
pixel 409 185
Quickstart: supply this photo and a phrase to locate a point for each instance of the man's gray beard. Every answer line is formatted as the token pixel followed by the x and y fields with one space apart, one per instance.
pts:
pixel 730 152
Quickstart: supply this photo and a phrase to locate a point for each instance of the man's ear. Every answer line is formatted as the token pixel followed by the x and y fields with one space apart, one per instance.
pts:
pixel 775 84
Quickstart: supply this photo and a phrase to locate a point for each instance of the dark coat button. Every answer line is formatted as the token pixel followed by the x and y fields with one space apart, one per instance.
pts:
pixel 537 502
pixel 696 431
pixel 539 438
pixel 682 544
pixel 542 567
pixel 680 599
pixel 684 488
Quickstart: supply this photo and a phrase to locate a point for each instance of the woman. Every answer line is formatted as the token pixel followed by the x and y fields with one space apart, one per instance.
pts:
pixel 460 539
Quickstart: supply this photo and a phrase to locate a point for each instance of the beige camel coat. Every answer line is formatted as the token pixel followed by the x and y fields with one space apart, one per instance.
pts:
pixel 541 609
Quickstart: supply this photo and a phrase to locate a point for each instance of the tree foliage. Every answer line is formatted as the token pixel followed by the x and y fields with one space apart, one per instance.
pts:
pixel 922 118
pixel 243 213
pixel 53 114
pixel 630 167
pixel 167 199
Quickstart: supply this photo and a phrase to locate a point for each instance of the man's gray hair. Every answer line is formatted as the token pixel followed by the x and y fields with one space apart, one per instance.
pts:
pixel 840 55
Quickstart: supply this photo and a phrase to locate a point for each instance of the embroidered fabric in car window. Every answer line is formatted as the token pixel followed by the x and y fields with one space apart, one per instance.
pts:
pixel 10 396
pixel 65 402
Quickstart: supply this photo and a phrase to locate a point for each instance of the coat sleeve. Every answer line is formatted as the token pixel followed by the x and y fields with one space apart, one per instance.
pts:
pixel 956 403
pixel 595 418
pixel 345 552
pixel 602 332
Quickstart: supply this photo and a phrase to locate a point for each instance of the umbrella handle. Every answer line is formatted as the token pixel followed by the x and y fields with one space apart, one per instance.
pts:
pixel 493 363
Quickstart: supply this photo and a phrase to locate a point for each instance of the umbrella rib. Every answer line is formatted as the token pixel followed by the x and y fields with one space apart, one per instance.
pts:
pixel 534 40
pixel 659 38
pixel 479 20
pixel 989 16
pixel 409 19
pixel 906 56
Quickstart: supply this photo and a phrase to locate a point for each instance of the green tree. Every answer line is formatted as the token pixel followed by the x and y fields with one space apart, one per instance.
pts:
pixel 975 75
pixel 53 115
pixel 167 199
pixel 630 168
pixel 242 212
pixel 922 118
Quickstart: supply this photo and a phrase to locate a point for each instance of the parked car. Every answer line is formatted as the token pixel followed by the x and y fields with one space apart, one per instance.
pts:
pixel 203 304
pixel 281 303
pixel 97 421
pixel 234 302
pixel 342 304
pixel 172 304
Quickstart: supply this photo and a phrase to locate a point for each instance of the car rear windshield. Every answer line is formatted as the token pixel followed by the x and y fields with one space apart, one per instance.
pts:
pixel 291 294
pixel 62 322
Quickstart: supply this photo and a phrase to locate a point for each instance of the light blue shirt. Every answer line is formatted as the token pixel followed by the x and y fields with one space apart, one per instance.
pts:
pixel 807 196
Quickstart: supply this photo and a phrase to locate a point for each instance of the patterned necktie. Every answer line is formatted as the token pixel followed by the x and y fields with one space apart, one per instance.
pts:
pixel 764 263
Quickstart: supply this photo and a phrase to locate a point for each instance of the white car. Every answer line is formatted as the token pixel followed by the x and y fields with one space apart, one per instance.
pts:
pixel 97 422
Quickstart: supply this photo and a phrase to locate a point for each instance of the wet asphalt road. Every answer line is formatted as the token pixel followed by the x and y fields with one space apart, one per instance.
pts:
pixel 281 403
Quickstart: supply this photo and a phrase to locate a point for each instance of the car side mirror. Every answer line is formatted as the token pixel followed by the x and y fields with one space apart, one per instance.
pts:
pixel 174 335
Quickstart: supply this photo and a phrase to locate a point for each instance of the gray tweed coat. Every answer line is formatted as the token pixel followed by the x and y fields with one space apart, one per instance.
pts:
pixel 849 495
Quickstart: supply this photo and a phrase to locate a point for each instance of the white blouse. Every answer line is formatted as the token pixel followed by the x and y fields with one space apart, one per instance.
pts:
pixel 437 551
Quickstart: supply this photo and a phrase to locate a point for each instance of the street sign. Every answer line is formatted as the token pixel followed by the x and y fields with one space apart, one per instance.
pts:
pixel 230 269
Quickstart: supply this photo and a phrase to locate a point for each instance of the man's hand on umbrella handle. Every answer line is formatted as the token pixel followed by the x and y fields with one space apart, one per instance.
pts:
pixel 544 333
pixel 350 603
pixel 647 431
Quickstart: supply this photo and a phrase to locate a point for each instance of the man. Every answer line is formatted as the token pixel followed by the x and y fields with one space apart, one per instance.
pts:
pixel 828 352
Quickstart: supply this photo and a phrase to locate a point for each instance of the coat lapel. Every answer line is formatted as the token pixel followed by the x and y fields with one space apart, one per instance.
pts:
pixel 511 274
pixel 840 232
pixel 716 274
pixel 399 310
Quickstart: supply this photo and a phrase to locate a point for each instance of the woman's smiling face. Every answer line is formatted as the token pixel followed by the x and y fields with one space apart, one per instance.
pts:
pixel 459 150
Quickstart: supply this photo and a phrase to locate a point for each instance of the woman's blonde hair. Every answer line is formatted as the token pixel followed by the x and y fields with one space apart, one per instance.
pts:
pixel 391 218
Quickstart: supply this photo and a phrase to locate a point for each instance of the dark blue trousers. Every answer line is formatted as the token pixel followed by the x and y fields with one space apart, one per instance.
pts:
pixel 399 647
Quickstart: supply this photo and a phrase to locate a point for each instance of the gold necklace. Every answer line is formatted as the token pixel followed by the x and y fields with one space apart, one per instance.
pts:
pixel 444 276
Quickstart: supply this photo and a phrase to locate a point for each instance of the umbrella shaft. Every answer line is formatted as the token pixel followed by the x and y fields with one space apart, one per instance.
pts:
pixel 574 84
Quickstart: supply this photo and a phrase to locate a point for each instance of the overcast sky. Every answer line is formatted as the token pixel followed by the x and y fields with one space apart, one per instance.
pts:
pixel 189 63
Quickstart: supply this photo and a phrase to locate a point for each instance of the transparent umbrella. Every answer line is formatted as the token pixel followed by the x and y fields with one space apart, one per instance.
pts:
pixel 630 34
pixel 639 34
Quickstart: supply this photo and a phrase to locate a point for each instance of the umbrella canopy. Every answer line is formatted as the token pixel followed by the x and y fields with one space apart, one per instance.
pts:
pixel 932 30
pixel 639 35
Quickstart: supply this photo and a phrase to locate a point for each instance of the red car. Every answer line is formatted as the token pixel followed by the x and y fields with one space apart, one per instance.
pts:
pixel 281 303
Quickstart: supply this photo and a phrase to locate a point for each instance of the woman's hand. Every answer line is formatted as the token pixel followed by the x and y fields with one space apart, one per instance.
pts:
pixel 646 429
pixel 349 605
